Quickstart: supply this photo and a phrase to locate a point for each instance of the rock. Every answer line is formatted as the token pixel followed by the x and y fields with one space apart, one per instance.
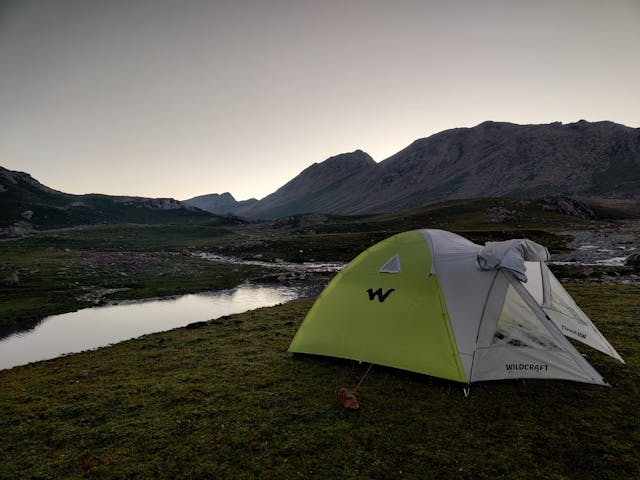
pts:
pixel 587 271
pixel 195 325
pixel 164 204
pixel 27 214
pixel 12 280
pixel 633 260
pixel 568 206
pixel 500 215
pixel 18 229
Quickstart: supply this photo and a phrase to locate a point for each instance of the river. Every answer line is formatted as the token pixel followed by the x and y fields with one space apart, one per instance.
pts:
pixel 101 326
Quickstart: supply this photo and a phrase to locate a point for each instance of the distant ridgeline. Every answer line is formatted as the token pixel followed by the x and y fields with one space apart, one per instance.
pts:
pixel 583 159
pixel 27 205
pixel 220 203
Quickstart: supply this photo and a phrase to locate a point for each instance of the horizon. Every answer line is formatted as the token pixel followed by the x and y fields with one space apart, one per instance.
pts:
pixel 182 99
pixel 320 161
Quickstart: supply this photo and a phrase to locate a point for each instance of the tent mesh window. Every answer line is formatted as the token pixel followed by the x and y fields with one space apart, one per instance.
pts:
pixel 518 326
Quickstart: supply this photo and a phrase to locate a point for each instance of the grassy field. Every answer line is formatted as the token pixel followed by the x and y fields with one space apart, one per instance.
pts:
pixel 226 400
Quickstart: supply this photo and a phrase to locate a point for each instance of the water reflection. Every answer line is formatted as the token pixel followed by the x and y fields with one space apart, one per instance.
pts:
pixel 100 326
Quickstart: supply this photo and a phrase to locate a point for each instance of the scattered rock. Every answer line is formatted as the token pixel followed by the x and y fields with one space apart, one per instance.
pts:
pixel 500 215
pixel 27 214
pixel 568 206
pixel 18 229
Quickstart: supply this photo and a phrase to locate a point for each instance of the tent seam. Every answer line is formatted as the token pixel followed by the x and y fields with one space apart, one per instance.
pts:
pixel 484 309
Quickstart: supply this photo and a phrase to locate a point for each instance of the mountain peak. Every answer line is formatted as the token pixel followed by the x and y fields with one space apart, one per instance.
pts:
pixel 344 161
pixel 227 197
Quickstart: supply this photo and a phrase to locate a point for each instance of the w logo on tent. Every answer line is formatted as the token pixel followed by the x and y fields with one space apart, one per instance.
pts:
pixel 378 293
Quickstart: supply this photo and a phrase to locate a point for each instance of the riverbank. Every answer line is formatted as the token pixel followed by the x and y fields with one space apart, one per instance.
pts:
pixel 225 400
pixel 53 281
pixel 50 273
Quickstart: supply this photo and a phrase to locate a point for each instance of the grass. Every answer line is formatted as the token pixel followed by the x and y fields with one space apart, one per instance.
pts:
pixel 127 237
pixel 227 401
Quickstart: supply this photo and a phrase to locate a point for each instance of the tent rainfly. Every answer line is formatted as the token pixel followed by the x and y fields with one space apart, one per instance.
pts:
pixel 433 302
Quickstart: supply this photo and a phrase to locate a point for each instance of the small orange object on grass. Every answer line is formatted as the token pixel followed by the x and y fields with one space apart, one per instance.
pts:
pixel 348 399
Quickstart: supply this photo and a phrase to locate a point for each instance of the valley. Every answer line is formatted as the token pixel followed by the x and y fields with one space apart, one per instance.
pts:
pixel 230 392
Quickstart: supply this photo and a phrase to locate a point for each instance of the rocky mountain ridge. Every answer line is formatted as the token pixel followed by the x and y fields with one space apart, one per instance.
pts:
pixel 221 204
pixel 492 159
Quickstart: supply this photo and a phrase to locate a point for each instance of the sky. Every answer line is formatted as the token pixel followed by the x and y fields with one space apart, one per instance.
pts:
pixel 183 98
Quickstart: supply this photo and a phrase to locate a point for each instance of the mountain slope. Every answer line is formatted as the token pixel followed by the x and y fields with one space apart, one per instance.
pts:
pixel 26 204
pixel 590 160
pixel 323 187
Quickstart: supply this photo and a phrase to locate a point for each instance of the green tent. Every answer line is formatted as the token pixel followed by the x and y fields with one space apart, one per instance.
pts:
pixel 433 302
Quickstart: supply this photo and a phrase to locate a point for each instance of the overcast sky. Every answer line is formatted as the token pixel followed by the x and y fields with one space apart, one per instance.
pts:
pixel 181 98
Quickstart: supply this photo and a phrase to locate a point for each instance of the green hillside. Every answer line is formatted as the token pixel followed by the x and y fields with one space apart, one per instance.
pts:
pixel 27 205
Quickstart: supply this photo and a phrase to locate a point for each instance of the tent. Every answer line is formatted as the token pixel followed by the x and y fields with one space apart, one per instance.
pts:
pixel 433 302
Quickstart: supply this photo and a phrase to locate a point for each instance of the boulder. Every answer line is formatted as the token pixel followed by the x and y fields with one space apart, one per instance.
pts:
pixel 633 260
pixel 12 280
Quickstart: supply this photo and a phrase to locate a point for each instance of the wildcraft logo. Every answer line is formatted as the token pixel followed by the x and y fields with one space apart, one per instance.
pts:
pixel 528 367
pixel 575 332
pixel 378 293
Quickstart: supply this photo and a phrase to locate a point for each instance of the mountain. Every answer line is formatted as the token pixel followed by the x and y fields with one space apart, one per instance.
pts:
pixel 219 203
pixel 27 205
pixel 322 187
pixel 493 159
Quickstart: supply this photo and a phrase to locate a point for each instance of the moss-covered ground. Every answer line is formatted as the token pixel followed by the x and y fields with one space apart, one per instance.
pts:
pixel 226 400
